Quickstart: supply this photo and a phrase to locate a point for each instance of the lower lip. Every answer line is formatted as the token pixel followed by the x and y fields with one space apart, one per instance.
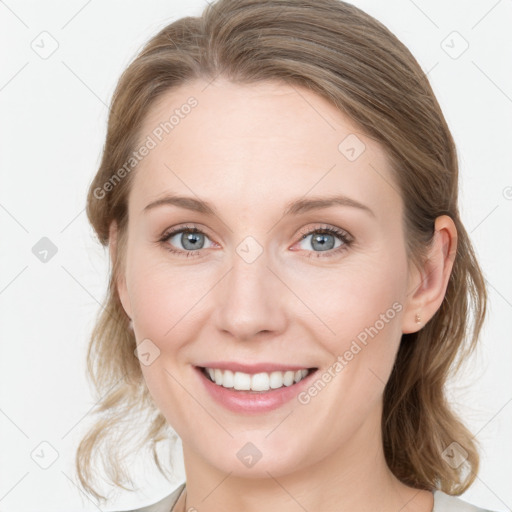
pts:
pixel 253 402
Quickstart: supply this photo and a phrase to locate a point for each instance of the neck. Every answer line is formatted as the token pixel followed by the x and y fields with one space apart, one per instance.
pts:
pixel 354 478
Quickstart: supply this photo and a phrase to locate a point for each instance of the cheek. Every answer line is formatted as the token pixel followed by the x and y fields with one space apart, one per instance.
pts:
pixel 165 303
pixel 164 296
pixel 364 311
pixel 359 301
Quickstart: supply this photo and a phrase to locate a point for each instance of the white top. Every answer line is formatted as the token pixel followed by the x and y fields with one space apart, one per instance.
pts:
pixel 442 503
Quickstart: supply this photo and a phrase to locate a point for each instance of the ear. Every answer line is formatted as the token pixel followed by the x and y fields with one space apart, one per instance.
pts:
pixel 121 278
pixel 427 286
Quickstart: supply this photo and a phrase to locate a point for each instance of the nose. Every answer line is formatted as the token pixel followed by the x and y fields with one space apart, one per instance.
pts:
pixel 250 300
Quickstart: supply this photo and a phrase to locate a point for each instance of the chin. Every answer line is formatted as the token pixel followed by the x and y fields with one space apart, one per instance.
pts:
pixel 252 456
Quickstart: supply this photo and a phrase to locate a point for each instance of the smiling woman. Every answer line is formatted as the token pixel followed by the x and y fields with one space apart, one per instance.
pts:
pixel 292 284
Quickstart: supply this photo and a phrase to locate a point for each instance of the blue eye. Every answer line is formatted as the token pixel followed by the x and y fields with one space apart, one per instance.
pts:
pixel 324 239
pixel 192 239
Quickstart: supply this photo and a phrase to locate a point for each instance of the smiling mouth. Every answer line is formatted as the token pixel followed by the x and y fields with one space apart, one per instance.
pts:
pixel 255 382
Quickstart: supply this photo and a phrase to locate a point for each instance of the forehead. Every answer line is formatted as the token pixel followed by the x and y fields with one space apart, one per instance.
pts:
pixel 240 144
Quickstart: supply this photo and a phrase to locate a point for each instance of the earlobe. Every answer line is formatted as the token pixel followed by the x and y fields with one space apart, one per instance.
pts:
pixel 428 286
pixel 121 278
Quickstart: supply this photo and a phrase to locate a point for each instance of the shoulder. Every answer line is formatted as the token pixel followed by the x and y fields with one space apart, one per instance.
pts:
pixel 442 503
pixel 446 503
pixel 164 505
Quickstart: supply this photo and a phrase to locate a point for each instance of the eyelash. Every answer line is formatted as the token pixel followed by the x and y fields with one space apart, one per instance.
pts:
pixel 329 230
pixel 341 234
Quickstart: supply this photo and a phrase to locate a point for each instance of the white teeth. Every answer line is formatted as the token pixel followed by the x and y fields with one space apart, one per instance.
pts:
pixel 276 380
pixel 228 379
pixel 260 382
pixel 288 378
pixel 255 382
pixel 242 381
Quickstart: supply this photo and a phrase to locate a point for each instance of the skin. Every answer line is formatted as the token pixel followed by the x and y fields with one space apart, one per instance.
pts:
pixel 242 147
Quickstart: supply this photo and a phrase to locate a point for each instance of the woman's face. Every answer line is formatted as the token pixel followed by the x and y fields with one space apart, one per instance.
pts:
pixel 263 287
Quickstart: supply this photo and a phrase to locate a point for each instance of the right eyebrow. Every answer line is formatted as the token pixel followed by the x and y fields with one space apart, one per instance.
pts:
pixel 189 203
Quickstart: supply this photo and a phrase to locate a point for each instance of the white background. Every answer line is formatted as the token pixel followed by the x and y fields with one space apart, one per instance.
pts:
pixel 52 131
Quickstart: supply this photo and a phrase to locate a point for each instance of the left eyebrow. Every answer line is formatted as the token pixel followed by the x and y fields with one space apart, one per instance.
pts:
pixel 316 203
pixel 295 207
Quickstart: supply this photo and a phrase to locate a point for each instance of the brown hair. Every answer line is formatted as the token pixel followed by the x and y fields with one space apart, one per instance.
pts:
pixel 356 63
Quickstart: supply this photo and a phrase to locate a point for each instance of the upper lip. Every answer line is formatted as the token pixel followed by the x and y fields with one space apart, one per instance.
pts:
pixel 253 368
